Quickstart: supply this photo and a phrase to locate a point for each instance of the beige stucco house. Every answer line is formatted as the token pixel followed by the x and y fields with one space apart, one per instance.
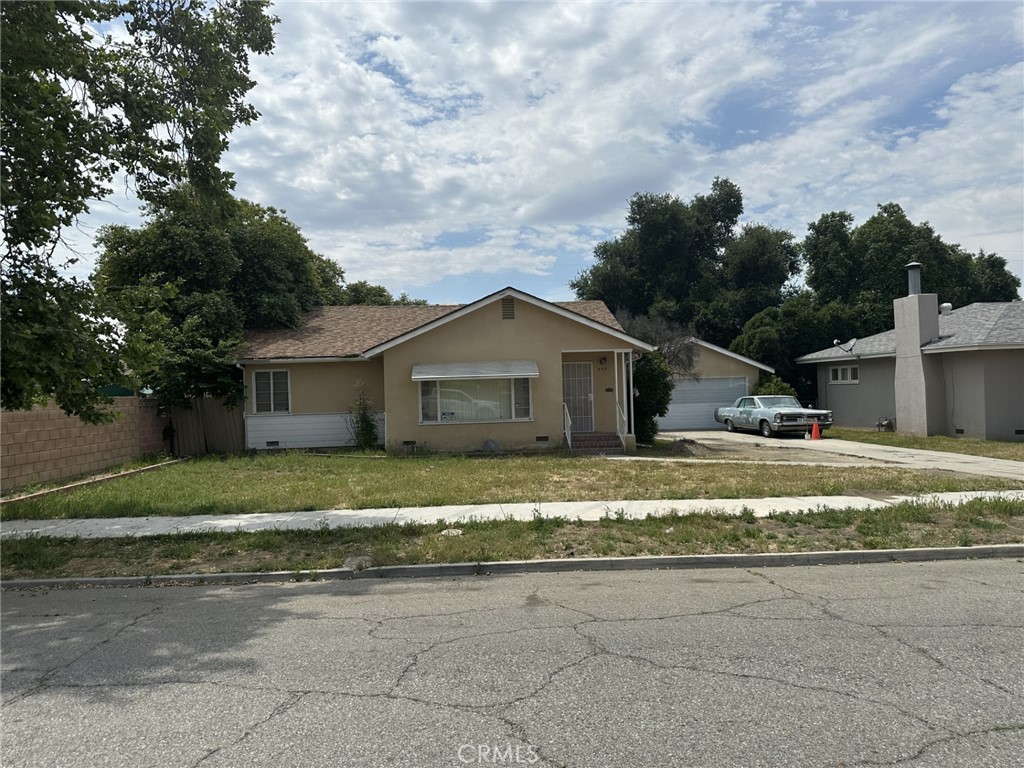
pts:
pixel 508 372
pixel 940 371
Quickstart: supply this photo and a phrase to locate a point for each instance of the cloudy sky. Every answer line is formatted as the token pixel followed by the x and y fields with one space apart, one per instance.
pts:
pixel 450 149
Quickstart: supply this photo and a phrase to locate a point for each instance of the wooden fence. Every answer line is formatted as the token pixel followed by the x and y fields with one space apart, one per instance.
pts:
pixel 207 427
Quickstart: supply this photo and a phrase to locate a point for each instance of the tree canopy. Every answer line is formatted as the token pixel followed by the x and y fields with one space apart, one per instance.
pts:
pixel 362 292
pixel 686 262
pixel 210 278
pixel 155 104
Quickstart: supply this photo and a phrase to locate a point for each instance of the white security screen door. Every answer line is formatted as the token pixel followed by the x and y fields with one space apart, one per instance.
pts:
pixel 578 395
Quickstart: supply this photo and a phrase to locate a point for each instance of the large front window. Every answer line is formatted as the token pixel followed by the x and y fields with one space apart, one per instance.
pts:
pixel 463 400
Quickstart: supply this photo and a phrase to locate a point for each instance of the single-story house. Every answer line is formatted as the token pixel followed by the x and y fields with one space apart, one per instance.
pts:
pixel 940 371
pixel 509 371
pixel 724 377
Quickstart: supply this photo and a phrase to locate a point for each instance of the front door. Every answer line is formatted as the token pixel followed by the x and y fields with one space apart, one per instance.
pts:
pixel 578 395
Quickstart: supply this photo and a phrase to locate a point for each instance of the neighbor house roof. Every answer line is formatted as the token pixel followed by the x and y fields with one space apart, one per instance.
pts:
pixel 331 333
pixel 976 326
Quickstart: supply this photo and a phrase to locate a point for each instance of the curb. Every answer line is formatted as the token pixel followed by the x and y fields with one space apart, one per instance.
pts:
pixel 453 570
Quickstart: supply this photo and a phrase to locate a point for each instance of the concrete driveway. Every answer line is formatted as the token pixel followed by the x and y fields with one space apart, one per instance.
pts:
pixel 916 665
pixel 829 449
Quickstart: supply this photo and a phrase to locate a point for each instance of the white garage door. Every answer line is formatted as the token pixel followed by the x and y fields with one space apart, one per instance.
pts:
pixel 694 402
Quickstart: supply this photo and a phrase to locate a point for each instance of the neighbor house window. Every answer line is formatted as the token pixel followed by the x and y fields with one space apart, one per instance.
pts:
pixel 271 391
pixel 844 374
pixel 466 400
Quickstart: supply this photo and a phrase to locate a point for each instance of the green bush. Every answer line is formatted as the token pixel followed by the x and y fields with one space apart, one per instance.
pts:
pixel 652 379
pixel 366 436
pixel 773 385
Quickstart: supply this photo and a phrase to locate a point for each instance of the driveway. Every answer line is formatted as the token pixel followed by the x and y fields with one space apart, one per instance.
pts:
pixel 829 450
pixel 919 665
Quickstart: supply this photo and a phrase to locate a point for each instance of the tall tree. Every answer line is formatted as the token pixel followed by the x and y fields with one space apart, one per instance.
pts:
pixel 991 280
pixel 686 263
pixel 828 250
pixel 664 263
pixel 249 267
pixel 155 103
pixel 754 269
pixel 866 264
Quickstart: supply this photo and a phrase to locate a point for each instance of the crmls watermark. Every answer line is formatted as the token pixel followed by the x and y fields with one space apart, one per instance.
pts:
pixel 497 754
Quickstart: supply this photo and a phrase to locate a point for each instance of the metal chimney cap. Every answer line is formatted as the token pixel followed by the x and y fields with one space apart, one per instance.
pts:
pixel 913 278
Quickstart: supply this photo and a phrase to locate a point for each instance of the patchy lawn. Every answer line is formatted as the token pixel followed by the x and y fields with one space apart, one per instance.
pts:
pixel 294 481
pixel 904 525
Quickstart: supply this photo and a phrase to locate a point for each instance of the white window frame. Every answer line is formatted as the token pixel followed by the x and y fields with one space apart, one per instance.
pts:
pixel 272 412
pixel 439 383
pixel 844 374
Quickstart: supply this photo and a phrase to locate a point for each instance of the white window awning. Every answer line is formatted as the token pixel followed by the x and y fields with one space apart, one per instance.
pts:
pixel 501 369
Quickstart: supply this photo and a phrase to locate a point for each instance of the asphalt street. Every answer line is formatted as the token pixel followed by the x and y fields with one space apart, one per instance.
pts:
pixel 909 664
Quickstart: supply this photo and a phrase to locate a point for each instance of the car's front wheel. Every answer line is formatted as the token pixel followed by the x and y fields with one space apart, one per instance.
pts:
pixel 729 426
pixel 766 428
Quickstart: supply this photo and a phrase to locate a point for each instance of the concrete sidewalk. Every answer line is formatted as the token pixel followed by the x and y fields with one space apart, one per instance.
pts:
pixel 583 510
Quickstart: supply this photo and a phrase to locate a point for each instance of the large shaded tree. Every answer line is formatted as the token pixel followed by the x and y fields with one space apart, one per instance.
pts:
pixel 686 262
pixel 664 263
pixel 866 264
pixel 209 278
pixel 155 103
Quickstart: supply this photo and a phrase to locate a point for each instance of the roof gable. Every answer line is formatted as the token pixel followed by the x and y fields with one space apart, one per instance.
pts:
pixel 593 314
pixel 358 332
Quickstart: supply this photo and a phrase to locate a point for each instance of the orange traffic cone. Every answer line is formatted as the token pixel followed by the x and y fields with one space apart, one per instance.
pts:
pixel 815 432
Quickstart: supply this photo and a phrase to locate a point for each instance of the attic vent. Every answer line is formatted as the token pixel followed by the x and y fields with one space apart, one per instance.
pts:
pixel 508 308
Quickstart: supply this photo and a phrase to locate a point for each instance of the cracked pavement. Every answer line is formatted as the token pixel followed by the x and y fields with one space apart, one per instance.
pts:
pixel 894 664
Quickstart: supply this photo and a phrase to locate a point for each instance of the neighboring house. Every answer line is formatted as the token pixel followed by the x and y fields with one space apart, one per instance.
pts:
pixel 724 377
pixel 940 371
pixel 509 371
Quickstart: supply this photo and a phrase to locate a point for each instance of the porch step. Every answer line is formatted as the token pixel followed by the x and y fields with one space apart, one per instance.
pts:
pixel 596 444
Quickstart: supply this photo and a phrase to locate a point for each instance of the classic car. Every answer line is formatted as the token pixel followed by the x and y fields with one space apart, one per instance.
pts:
pixel 769 414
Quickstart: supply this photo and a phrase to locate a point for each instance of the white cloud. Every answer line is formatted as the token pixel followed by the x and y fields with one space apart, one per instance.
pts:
pixel 385 126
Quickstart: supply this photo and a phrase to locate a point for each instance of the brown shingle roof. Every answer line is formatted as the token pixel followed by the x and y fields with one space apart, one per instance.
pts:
pixel 349 331
pixel 593 310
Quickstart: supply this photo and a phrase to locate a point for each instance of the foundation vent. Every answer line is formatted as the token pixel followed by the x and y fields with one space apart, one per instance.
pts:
pixel 508 308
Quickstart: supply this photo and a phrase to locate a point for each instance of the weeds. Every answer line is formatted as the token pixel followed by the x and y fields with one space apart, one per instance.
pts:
pixel 293 481
pixel 313 551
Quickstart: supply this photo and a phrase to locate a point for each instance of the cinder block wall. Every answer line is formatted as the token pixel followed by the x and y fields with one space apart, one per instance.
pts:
pixel 44 445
